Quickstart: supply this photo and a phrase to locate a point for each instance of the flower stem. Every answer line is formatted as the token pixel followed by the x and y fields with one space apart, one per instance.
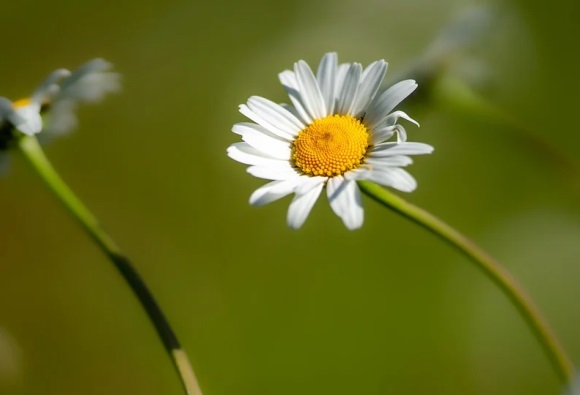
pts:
pixel 492 268
pixel 32 151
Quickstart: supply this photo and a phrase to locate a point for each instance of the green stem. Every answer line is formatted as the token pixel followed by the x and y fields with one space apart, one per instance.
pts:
pixel 492 268
pixel 33 153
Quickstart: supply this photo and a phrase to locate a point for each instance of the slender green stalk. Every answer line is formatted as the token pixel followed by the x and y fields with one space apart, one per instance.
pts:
pixel 33 153
pixel 492 268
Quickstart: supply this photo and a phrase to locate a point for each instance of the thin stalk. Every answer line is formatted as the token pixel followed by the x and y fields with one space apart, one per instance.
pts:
pixel 32 151
pixel 492 268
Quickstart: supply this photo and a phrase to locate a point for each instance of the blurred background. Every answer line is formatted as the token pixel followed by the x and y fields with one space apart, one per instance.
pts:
pixel 261 309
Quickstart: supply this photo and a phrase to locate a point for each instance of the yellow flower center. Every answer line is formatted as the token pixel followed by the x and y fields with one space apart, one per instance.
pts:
pixel 21 103
pixel 330 146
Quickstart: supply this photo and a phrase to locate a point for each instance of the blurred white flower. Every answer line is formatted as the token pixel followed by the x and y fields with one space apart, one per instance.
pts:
pixel 51 107
pixel 24 115
pixel 334 133
pixel 468 28
pixel 456 49
pixel 57 98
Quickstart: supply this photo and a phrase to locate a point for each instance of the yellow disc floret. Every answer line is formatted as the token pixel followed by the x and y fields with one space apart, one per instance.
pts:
pixel 330 146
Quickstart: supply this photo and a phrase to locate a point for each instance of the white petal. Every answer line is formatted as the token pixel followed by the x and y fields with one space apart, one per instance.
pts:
pixel 309 90
pixel 389 161
pixel 49 86
pixel 382 134
pixel 87 84
pixel 340 76
pixel 248 127
pixel 292 110
pixel 407 148
pixel 345 199
pixel 385 103
pixel 272 191
pixel 371 80
pixel 393 117
pixel 349 89
pixel 385 129
pixel 271 146
pixel 288 80
pixel 244 109
pixel 301 206
pixel 242 128
pixel 61 118
pixel 401 134
pixel 276 115
pixel 282 171
pixel 245 153
pixel 90 82
pixel 326 77
pixel 27 119
pixel 309 182
pixel 391 177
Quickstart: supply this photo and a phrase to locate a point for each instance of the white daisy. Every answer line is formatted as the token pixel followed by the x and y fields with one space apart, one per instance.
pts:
pixel 24 114
pixel 57 97
pixel 335 132
pixel 51 107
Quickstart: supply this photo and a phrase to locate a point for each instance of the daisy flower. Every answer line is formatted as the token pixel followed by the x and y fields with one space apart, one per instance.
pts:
pixel 24 114
pixel 51 107
pixel 337 131
pixel 57 97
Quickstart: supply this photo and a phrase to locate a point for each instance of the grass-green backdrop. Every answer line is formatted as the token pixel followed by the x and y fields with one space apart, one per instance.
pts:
pixel 261 309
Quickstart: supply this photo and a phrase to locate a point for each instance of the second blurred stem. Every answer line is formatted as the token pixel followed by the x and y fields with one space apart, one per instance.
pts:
pixel 32 151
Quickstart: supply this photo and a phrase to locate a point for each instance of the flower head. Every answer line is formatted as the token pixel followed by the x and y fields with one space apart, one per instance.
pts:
pixel 24 114
pixel 50 109
pixel 57 97
pixel 336 131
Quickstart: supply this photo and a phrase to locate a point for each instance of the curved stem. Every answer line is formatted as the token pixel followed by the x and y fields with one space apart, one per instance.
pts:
pixel 492 268
pixel 33 153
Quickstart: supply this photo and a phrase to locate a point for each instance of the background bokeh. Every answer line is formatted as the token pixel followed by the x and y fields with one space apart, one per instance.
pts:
pixel 261 309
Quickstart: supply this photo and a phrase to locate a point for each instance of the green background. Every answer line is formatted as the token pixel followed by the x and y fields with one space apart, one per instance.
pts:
pixel 261 309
